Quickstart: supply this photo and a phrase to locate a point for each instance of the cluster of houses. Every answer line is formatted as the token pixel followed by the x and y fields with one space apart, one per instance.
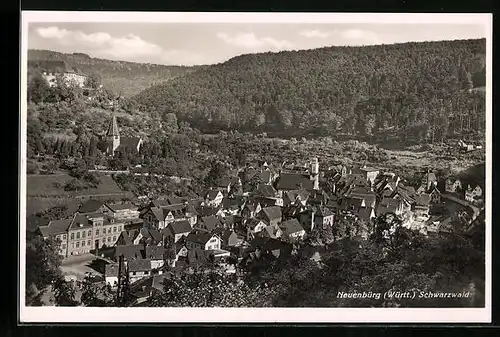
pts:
pixel 67 76
pixel 261 210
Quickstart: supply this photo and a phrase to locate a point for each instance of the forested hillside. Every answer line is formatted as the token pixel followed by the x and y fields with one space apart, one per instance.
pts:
pixel 123 78
pixel 413 91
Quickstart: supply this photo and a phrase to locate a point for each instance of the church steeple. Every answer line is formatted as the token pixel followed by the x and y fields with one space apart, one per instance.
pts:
pixel 113 135
pixel 113 128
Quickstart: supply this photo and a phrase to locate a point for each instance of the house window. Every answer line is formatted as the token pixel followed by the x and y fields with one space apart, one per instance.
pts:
pixel 63 246
pixel 114 229
pixel 133 273
pixel 96 232
pixel 88 243
pixel 109 238
pixel 64 237
pixel 72 245
pixel 109 230
pixel 83 243
pixel 119 228
pixel 83 234
pixel 78 244
pixel 72 236
pixel 114 238
pixel 90 233
pixel 77 235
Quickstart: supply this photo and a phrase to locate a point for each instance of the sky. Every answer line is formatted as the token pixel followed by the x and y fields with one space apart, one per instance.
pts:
pixel 209 43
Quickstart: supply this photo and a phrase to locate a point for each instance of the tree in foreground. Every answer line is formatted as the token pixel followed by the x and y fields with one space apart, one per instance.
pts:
pixel 96 294
pixel 42 265
pixel 211 289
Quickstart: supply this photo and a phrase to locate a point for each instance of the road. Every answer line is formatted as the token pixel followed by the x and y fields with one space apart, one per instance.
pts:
pixel 79 266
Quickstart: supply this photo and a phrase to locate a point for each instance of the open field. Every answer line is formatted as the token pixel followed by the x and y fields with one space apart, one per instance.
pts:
pixel 53 185
pixel 421 160
pixel 45 191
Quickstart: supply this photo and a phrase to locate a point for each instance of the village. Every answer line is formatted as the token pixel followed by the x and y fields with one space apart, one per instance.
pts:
pixel 261 209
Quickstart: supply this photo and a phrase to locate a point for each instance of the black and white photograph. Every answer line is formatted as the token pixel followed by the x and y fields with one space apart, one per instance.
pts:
pixel 244 167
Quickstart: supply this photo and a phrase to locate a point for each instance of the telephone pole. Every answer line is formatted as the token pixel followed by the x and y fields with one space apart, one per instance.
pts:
pixel 122 282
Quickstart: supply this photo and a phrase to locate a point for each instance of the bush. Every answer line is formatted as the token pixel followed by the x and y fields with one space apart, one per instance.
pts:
pixel 32 168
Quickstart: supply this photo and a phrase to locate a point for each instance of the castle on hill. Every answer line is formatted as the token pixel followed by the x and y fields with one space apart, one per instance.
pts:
pixel 116 144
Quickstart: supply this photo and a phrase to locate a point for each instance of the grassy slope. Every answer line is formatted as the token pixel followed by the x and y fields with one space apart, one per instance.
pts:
pixel 45 191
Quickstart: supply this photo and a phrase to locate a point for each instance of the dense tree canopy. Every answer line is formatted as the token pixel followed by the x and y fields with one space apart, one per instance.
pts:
pixel 417 87
pixel 42 265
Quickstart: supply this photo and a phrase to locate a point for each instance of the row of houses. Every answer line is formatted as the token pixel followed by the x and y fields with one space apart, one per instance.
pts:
pixel 261 210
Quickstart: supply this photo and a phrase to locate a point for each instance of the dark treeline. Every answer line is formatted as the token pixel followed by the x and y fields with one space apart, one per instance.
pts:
pixel 422 90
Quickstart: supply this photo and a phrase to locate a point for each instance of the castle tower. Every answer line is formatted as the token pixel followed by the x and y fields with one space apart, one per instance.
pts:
pixel 315 173
pixel 113 135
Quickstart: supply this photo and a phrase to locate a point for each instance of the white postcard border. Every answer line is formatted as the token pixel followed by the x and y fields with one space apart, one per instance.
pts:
pixel 257 315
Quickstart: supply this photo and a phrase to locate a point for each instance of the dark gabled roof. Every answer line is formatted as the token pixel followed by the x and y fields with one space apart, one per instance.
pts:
pixel 265 176
pixel 176 211
pixel 128 143
pixel 34 221
pixel 272 212
pixel 352 202
pixel 388 205
pixel 154 234
pixel 199 238
pixel 231 203
pixel 159 203
pixel 179 245
pixel 422 199
pixel 250 206
pixel 55 227
pixel 191 209
pixel 111 270
pixel 211 222
pixel 291 226
pixel 294 181
pixel 178 227
pixel 300 194
pixel 225 234
pixel 212 194
pixel 224 182
pixel 80 221
pixel 139 265
pixel 266 190
pixel 198 257
pixel 323 211
pixel 228 220
pixel 208 211
pixel 155 252
pixel 90 206
pixel 271 230
pixel 252 223
pixel 158 213
pixel 365 213
pixel 130 252
pixel 127 238
pixel 174 200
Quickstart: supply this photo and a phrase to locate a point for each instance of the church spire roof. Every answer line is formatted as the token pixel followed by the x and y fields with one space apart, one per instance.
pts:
pixel 113 128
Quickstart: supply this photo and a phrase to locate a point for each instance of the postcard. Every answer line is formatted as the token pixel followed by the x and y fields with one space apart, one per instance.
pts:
pixel 255 167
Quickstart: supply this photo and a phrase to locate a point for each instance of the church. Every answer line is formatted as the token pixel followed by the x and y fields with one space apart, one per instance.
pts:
pixel 116 143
